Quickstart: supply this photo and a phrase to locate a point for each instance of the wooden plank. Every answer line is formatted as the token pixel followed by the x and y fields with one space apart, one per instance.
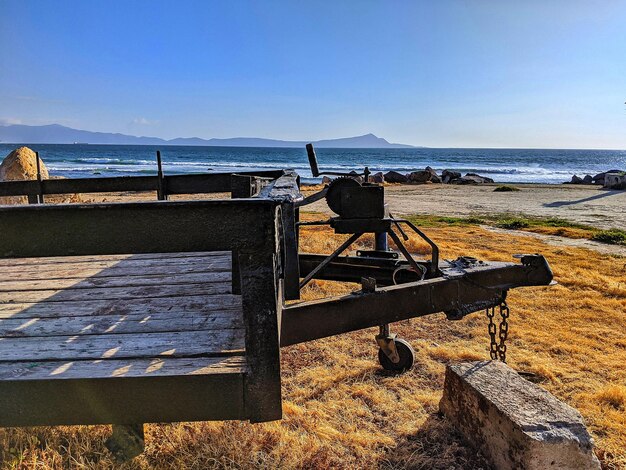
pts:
pixel 115 269
pixel 160 366
pixel 105 258
pixel 148 306
pixel 108 282
pixel 152 399
pixel 135 227
pixel 120 346
pixel 116 324
pixel 113 293
pixel 261 311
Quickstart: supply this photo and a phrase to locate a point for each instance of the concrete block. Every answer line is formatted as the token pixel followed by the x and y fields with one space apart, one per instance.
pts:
pixel 615 180
pixel 516 424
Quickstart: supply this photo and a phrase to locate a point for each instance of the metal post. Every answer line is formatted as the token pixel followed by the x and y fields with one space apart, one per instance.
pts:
pixel 40 185
pixel 161 192
pixel 380 241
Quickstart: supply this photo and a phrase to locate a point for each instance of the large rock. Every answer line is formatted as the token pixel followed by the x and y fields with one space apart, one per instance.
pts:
pixel 395 177
pixel 447 175
pixel 588 179
pixel 421 176
pixel 377 178
pixel 434 177
pixel 471 178
pixel 515 423
pixel 427 175
pixel 20 165
pixel 576 180
pixel 481 179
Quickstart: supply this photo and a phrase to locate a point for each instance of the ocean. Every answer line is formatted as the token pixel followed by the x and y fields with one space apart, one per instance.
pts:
pixel 503 165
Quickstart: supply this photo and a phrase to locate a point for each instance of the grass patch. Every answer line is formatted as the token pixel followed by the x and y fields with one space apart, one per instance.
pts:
pixel 505 189
pixel 513 223
pixel 545 225
pixel 612 237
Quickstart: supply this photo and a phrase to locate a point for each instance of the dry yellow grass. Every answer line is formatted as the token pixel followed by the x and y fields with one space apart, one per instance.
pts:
pixel 341 411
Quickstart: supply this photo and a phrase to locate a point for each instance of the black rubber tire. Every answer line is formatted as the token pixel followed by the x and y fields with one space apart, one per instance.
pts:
pixel 407 357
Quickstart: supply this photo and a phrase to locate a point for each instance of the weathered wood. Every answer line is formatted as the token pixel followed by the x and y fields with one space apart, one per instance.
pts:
pixel 175 306
pixel 107 282
pixel 115 324
pixel 113 293
pixel 241 186
pixel 261 311
pixel 290 251
pixel 152 367
pixel 113 269
pixel 175 184
pixel 143 227
pixel 119 346
pixel 155 257
pixel 151 399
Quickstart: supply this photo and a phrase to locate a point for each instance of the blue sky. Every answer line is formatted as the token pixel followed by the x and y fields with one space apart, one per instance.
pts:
pixel 441 74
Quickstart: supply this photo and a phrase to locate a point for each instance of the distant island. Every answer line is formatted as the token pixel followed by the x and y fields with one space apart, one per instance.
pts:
pixel 57 134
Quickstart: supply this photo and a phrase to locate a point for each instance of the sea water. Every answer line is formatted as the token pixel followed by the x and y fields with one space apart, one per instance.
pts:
pixel 502 165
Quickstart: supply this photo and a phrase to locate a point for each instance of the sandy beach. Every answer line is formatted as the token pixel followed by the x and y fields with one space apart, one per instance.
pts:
pixel 590 205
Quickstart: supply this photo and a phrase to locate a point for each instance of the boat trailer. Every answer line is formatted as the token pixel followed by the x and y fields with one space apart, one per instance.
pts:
pixel 164 311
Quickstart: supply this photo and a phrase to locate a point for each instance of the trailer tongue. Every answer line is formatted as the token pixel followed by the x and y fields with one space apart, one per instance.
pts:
pixel 393 288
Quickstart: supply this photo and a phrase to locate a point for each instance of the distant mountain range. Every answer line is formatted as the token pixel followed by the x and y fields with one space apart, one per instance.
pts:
pixel 57 134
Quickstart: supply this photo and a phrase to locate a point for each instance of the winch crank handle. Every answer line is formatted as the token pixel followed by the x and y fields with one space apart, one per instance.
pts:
pixel 402 232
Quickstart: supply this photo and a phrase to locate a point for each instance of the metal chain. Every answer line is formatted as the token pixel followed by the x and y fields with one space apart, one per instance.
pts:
pixel 497 350
pixel 504 330
pixel 493 346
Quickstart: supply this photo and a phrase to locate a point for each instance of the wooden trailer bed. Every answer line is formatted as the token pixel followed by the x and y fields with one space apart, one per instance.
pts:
pixel 120 339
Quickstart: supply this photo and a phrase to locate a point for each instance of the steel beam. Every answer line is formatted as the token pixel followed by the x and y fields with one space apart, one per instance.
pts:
pixel 462 289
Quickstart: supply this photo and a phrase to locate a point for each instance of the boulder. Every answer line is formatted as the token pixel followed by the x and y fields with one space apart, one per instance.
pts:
pixel 471 178
pixel 420 177
pixel 377 178
pixel 448 175
pixel 395 177
pixel 588 179
pixel 483 178
pixel 434 177
pixel 326 180
pixel 516 424
pixel 20 165
pixel 576 180
pixel 356 176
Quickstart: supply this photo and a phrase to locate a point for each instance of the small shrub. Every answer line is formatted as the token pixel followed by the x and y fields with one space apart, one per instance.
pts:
pixel 513 224
pixel 505 189
pixel 612 237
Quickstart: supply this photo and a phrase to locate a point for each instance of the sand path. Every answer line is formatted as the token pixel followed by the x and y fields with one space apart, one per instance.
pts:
pixel 589 205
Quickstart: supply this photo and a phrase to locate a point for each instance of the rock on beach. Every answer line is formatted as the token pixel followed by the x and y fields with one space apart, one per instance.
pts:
pixel 20 165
